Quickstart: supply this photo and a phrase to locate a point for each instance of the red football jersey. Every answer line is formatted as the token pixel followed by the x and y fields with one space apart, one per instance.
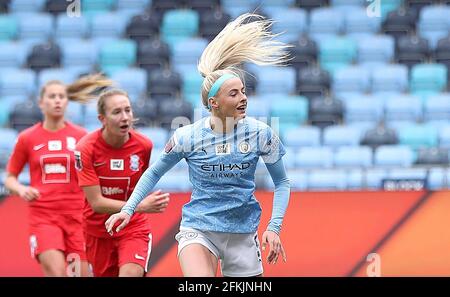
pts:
pixel 116 171
pixel 50 156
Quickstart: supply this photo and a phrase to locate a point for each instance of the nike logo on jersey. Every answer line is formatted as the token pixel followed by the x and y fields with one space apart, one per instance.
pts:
pixel 38 147
pixel 99 164
pixel 139 257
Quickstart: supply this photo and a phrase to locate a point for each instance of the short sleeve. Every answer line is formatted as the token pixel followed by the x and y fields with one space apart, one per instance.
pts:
pixel 19 157
pixel 84 166
pixel 271 148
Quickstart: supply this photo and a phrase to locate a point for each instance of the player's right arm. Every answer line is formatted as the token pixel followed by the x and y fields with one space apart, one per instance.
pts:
pixel 17 161
pixel 172 154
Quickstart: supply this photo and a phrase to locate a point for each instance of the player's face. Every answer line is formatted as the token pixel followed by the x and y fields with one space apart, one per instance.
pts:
pixel 54 101
pixel 231 99
pixel 118 116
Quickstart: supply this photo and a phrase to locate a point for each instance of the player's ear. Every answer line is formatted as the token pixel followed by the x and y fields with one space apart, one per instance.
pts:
pixel 101 118
pixel 213 103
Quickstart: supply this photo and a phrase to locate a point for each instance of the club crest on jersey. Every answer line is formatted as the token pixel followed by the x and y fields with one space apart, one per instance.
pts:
pixel 54 145
pixel 223 149
pixel 134 163
pixel 116 164
pixel 71 142
pixel 244 147
pixel 78 163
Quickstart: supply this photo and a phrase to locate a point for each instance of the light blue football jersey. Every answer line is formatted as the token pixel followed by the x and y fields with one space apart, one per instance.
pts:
pixel 222 172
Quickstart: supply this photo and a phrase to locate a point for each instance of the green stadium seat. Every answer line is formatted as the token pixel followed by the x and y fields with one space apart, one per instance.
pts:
pixel 116 55
pixel 8 27
pixel 178 25
pixel 418 135
pixel 336 53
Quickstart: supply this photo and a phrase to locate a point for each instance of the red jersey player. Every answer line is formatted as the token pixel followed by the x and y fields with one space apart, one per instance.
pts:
pixel 109 163
pixel 55 199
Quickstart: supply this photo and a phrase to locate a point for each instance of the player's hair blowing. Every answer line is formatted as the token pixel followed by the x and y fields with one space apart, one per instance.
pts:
pixel 246 39
pixel 82 90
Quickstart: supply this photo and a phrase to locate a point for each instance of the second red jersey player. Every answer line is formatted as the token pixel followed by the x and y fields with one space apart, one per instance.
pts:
pixel 109 163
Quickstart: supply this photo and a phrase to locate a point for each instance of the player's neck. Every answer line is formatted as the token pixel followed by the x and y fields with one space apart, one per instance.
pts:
pixel 114 140
pixel 222 125
pixel 53 124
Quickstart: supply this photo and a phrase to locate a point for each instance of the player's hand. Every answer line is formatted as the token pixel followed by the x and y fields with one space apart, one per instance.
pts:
pixel 275 247
pixel 28 193
pixel 155 202
pixel 122 217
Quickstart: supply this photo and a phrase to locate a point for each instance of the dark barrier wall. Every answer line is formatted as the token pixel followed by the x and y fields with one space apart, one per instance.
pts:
pixel 324 234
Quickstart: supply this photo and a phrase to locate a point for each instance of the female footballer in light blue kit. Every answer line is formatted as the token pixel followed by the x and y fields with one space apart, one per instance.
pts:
pixel 222 151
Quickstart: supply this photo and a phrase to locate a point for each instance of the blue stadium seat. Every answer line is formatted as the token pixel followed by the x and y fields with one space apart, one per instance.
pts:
pixel 310 157
pixel 133 6
pixel 237 7
pixel 336 53
pixel 133 81
pixel 79 53
pixel 444 136
pixel 302 136
pixel 438 179
pixel 390 78
pixel 258 108
pixel 403 108
pixel 358 24
pixel 70 27
pixel 374 178
pixel 376 50
pixel 9 27
pixel 111 24
pixel 178 25
pixel 20 6
pixel 36 26
pixel 276 80
pixel 94 7
pixel 12 54
pixel 192 83
pixel 325 22
pixel 363 107
pixel 157 135
pixel 433 23
pixel 90 117
pixel 75 112
pixel 290 109
pixel 17 82
pixel 418 136
pixel 298 180
pixel 353 156
pixel 336 136
pixel 437 108
pixel 428 79
pixel 116 55
pixel 350 79
pixel 289 157
pixel 291 22
pixel 394 155
pixel 407 173
pixel 175 181
pixel 355 179
pixel 61 74
pixel 327 180
pixel 186 53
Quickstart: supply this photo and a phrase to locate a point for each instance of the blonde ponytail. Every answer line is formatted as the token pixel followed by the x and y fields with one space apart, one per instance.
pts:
pixel 242 40
pixel 86 88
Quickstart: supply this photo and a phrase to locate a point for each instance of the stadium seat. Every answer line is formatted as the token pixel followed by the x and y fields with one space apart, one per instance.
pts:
pixel 390 79
pixel 7 104
pixel 400 22
pixel 133 81
pixel 433 23
pixel 327 180
pixel 162 6
pixel 8 138
pixel 437 107
pixel 45 55
pixel 69 27
pixel 153 54
pixel 350 80
pixel 80 53
pixel 133 6
pixel 21 6
pixel 12 55
pixel 325 22
pixel 178 25
pixel 186 53
pixel 302 136
pixel 203 6
pixel 444 136
pixel 336 136
pixel 418 136
pixel 314 157
pixel 237 7
pixel 362 107
pixel 143 26
pixel 192 83
pixel 61 74
pixel 374 178
pixel 438 179
pixel 298 181
pixel 212 22
pixel 4 4
pixel 36 26
pixel 109 25
pixel 25 115
pixel 403 108
pixel 442 53
pixel 174 109
pixel 157 135
pixel 164 83
pixel 394 155
pixel 146 111
pixel 9 27
pixel 17 82
pixel 290 109
pixel 276 80
pixel 358 24
pixel 432 156
pixel 336 53
pixel 93 7
pixel 311 4
pixel 428 78
pixel 412 50
pixel 353 156
pixel 116 55
pixel 75 112
pixel 376 50
pixel 303 53
pixel 175 181
pixel 291 22
pixel 325 111
pixel 57 7
pixel 313 81
pixel 378 136
pixel 417 5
